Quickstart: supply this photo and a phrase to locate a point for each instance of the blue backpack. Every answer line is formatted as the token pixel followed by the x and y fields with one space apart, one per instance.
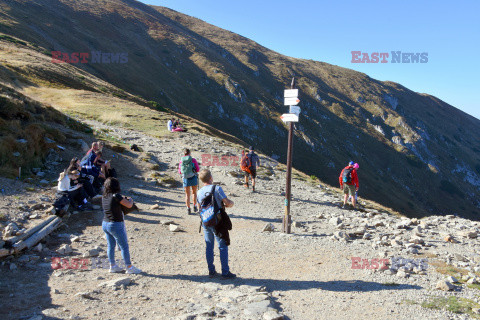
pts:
pixel 209 211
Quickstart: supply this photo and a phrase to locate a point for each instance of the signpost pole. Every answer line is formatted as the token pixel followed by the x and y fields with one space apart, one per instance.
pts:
pixel 287 219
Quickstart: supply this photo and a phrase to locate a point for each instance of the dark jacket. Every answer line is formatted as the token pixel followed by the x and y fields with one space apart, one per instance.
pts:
pixel 223 226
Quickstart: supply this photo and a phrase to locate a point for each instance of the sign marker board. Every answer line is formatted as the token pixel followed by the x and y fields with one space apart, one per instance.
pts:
pixel 289 117
pixel 295 110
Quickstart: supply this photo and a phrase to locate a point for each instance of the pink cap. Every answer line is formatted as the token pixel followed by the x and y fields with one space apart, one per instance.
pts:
pixel 356 166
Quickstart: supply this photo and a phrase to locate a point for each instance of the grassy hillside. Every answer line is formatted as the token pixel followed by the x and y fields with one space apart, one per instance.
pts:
pixel 417 153
pixel 28 131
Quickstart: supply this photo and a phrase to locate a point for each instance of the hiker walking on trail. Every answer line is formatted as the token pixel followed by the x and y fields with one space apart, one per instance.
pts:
pixel 249 166
pixel 348 180
pixel 212 200
pixel 188 168
pixel 114 226
pixel 356 166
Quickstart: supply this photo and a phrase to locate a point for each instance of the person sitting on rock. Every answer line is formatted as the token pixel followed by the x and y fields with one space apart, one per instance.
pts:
pixel 69 184
pixel 104 165
pixel 87 162
pixel 86 180
pixel 114 225
pixel 210 233
pixel 188 168
pixel 176 126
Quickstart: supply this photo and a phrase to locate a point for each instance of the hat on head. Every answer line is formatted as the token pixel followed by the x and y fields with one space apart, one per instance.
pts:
pixel 251 148
pixel 356 166
pixel 351 163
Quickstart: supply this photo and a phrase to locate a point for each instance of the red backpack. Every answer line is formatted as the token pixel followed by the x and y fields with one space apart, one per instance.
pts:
pixel 246 163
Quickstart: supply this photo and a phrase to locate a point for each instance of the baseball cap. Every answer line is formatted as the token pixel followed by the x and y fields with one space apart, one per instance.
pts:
pixel 351 163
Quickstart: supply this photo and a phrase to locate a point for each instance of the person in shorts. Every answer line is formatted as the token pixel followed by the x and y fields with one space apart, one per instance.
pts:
pixel 188 168
pixel 254 161
pixel 348 180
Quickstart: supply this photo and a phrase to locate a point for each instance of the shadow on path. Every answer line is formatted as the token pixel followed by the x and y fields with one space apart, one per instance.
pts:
pixel 272 220
pixel 289 285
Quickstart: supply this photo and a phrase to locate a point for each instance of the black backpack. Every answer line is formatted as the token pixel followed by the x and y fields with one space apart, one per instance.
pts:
pixel 347 175
pixel 61 204
pixel 209 211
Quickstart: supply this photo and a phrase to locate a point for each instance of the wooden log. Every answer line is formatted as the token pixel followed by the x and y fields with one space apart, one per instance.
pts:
pixel 10 242
pixel 36 237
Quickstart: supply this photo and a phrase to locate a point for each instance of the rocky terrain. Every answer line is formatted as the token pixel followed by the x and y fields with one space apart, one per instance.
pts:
pixel 400 137
pixel 336 264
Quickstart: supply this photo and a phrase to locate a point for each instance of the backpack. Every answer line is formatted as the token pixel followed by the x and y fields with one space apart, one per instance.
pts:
pixel 246 163
pixel 187 168
pixel 112 173
pixel 209 212
pixel 61 204
pixel 134 147
pixel 347 175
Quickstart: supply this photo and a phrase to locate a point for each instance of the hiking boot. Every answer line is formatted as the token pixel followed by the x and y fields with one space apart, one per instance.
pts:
pixel 246 185
pixel 212 274
pixel 189 211
pixel 195 209
pixel 115 269
pixel 343 206
pixel 229 275
pixel 253 189
pixel 133 270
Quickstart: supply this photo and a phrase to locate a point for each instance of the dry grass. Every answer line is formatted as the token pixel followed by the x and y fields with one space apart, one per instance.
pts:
pixel 444 268
pixel 104 108
pixel 115 118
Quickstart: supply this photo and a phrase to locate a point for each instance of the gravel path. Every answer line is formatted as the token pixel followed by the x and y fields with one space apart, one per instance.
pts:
pixel 305 275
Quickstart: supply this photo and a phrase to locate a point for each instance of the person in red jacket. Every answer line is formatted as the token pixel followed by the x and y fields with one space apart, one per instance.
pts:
pixel 348 180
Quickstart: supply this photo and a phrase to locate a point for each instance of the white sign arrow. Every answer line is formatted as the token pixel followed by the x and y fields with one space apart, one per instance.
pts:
pixel 291 93
pixel 291 101
pixel 289 117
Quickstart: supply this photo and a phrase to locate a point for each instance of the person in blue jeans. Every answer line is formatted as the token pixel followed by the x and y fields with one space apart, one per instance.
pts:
pixel 114 226
pixel 209 232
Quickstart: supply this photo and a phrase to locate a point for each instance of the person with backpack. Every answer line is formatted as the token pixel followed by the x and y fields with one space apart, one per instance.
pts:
pixel 211 199
pixel 348 180
pixel 249 164
pixel 356 166
pixel 188 168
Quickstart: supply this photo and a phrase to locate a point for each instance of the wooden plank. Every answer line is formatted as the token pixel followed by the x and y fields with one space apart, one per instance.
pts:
pixel 36 237
pixel 30 231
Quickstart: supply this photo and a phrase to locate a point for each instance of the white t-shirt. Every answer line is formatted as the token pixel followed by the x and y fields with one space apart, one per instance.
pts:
pixel 63 184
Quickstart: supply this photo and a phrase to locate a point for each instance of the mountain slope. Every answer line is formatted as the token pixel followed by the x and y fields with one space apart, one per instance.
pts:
pixel 417 153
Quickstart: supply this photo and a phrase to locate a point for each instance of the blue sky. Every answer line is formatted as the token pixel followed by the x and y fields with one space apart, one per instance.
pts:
pixel 329 30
